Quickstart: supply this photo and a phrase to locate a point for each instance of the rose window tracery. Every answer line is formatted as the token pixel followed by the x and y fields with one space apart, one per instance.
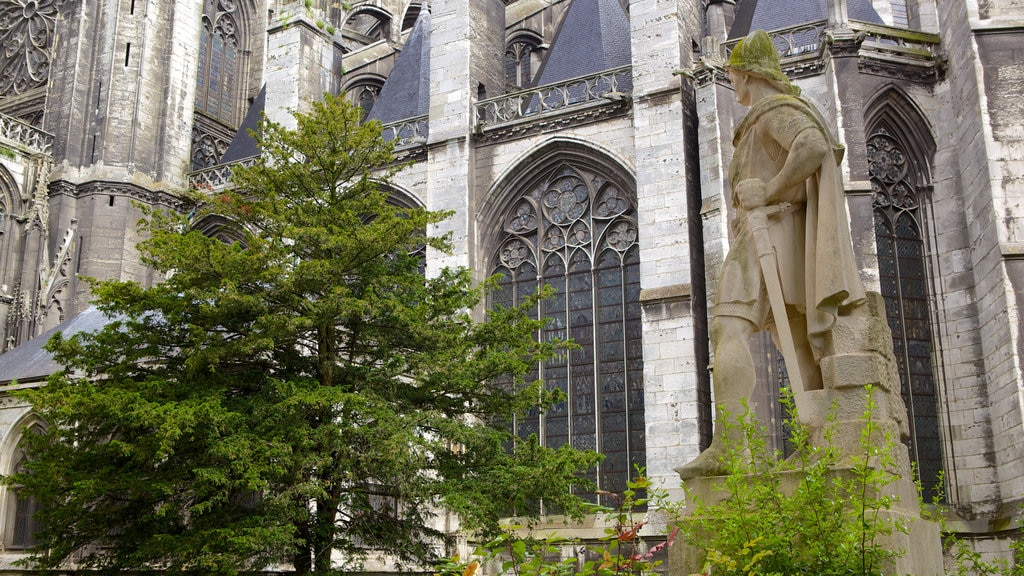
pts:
pixel 26 38
pixel 887 166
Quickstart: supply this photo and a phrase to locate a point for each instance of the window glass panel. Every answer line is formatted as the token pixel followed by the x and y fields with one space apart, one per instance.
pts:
pixel 902 276
pixel 570 216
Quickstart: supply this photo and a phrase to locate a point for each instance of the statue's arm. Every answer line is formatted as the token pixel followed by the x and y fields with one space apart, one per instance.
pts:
pixel 806 153
pixel 806 147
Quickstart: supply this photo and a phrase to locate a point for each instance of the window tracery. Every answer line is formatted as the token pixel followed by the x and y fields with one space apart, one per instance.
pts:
pixel 519 63
pixel 21 513
pixel 899 237
pixel 27 29
pixel 217 90
pixel 576 230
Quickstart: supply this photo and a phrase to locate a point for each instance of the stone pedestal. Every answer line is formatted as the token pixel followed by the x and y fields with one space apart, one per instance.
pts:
pixel 921 543
pixel 858 354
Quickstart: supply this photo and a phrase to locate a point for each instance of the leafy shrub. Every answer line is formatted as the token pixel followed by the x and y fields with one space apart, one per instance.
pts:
pixel 813 513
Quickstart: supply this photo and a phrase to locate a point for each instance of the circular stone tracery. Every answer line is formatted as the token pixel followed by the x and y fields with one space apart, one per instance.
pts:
pixel 26 38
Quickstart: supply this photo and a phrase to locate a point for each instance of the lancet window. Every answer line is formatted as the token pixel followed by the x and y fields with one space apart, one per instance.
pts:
pixel 575 229
pixel 220 67
pixel 899 234
pixel 519 62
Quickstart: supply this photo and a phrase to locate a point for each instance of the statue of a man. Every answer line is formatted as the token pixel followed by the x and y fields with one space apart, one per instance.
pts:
pixel 784 174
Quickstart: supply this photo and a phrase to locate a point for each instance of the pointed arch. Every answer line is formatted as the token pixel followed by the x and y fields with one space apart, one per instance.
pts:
pixel 225 49
pixel 220 227
pixel 18 511
pixel 363 91
pixel 364 25
pixel 411 14
pixel 900 149
pixel 566 216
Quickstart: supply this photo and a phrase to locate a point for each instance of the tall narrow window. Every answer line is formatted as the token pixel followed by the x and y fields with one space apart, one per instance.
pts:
pixel 217 90
pixel 518 62
pixel 902 272
pixel 575 230
pixel 21 512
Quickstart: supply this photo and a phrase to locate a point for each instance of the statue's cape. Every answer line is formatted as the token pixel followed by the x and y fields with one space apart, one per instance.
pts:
pixel 831 276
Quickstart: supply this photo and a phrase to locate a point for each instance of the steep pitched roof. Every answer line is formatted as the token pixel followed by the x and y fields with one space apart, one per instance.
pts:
pixel 243 145
pixel 593 36
pixel 774 14
pixel 406 92
pixel 30 363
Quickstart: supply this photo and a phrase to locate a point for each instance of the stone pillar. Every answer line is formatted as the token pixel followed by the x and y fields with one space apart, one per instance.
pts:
pixel 120 101
pixel 662 38
pixel 122 91
pixel 467 61
pixel 302 63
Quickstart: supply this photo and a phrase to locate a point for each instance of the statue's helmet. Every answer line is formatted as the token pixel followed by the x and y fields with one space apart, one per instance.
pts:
pixel 756 54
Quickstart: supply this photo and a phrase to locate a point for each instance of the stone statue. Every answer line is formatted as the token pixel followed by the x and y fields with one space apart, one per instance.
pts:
pixel 790 268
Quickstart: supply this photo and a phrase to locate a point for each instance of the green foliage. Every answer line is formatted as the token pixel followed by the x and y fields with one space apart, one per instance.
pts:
pixel 816 521
pixel 303 391
pixel 965 560
pixel 622 550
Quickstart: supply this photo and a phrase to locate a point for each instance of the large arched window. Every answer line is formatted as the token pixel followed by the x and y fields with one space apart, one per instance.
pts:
pixel 220 66
pixel 574 228
pixel 899 187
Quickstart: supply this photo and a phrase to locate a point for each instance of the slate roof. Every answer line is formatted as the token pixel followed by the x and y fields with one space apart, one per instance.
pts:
pixel 406 92
pixel 29 362
pixel 243 145
pixel 593 37
pixel 774 14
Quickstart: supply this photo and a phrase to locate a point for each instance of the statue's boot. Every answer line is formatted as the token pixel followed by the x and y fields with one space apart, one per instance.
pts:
pixel 708 463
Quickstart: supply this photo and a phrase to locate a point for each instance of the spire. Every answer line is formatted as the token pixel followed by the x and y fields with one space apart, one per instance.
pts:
pixel 406 93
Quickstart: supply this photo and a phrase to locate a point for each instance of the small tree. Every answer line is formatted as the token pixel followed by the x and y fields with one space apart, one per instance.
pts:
pixel 300 396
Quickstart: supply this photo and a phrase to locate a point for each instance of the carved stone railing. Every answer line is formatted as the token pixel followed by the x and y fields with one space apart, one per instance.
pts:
pixel 25 135
pixel 407 133
pixel 885 49
pixel 790 42
pixel 216 178
pixel 898 44
pixel 610 85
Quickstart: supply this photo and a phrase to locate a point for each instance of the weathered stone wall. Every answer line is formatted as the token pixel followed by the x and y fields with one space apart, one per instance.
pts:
pixel 662 37
pixel 128 70
pixel 467 54
pixel 989 462
pixel 303 62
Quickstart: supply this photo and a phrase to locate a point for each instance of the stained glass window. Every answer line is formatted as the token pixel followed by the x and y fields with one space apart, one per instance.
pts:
pixel 217 90
pixel 903 276
pixel 576 231
pixel 25 524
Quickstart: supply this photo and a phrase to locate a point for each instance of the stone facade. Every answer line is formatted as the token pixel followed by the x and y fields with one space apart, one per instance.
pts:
pixel 102 112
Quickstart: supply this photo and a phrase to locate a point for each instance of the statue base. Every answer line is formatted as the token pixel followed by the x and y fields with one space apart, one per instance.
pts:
pixel 858 354
pixel 921 544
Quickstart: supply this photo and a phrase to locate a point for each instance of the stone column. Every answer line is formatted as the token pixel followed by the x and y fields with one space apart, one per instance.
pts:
pixel 467 62
pixel 662 37
pixel 302 63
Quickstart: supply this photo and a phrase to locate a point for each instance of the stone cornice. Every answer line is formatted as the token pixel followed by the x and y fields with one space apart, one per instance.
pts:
pixel 103 188
pixel 542 124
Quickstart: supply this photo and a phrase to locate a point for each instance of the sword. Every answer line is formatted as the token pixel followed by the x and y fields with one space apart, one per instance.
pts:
pixel 757 219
